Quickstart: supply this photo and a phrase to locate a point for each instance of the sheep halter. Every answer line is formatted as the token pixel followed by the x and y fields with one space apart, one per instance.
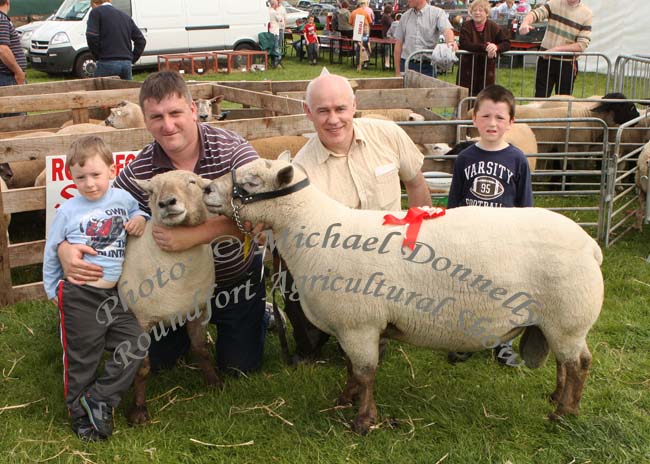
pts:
pixel 413 221
pixel 241 197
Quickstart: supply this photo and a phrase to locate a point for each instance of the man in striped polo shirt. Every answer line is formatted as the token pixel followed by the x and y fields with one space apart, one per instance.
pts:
pixel 12 58
pixel 568 30
pixel 183 143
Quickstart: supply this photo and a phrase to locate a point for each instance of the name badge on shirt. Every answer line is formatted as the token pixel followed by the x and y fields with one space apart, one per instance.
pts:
pixel 385 169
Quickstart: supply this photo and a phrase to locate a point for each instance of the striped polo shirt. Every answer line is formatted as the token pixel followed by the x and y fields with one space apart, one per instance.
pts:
pixel 566 24
pixel 9 37
pixel 221 151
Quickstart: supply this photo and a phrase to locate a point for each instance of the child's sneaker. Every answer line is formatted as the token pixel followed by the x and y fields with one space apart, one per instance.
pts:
pixel 506 356
pixel 82 427
pixel 99 413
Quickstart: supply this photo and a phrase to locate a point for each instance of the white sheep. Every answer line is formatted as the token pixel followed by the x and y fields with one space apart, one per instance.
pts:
pixel 84 128
pixel 271 147
pixel 477 277
pixel 24 173
pixel 204 108
pixel 641 180
pixel 90 121
pixel 162 287
pixel 391 114
pixel 125 115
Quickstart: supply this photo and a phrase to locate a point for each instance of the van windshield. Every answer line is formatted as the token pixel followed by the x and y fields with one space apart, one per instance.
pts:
pixel 72 10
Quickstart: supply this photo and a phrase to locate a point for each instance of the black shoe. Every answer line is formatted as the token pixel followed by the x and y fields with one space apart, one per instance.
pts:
pixel 99 413
pixel 82 427
pixel 505 355
pixel 454 357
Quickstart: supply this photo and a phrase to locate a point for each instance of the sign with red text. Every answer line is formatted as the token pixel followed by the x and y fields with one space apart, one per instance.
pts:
pixel 359 23
pixel 59 186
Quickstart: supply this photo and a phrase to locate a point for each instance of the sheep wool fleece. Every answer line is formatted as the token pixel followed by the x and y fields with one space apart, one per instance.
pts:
pixel 240 340
pixel 491 178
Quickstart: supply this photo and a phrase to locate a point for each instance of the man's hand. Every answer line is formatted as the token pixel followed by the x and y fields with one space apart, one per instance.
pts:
pixel 174 238
pixel 76 270
pixel 20 77
pixel 135 226
pixel 256 232
pixel 525 28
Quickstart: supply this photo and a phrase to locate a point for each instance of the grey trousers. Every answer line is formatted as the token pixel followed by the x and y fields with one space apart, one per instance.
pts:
pixel 92 320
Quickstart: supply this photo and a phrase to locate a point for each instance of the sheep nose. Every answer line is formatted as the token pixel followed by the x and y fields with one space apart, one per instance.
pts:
pixel 166 203
pixel 203 117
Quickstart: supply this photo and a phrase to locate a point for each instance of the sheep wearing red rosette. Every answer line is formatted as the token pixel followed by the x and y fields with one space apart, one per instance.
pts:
pixel 474 278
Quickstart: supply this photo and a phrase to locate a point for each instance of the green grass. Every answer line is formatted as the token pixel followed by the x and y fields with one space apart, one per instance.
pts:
pixel 475 412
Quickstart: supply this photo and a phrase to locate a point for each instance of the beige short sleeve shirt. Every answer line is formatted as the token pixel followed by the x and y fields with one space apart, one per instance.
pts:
pixel 368 176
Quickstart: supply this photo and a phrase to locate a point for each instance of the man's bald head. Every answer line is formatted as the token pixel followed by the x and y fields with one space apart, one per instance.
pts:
pixel 328 84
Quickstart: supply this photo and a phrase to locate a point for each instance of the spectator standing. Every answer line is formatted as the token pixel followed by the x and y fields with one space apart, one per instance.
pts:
pixel 343 13
pixel 298 44
pixel 180 142
pixel 365 40
pixel 386 23
pixel 484 38
pixel 110 34
pixel 12 58
pixel 311 38
pixel 506 10
pixel 358 162
pixel 568 30
pixel 418 29
pixel 277 22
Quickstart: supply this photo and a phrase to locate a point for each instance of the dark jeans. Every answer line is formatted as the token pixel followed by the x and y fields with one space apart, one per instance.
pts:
pixel 240 328
pixel 312 51
pixel 554 73
pixel 423 67
pixel 120 68
pixel 9 79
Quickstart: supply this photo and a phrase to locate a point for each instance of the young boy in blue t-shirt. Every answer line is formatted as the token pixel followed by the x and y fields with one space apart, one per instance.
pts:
pixel 92 318
pixel 491 173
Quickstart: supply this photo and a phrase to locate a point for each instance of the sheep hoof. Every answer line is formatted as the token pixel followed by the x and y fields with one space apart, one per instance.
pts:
pixel 362 424
pixel 214 381
pixel 138 415
pixel 554 398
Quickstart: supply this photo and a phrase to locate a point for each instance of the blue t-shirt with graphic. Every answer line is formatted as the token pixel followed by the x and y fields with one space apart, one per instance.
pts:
pixel 98 224
pixel 498 178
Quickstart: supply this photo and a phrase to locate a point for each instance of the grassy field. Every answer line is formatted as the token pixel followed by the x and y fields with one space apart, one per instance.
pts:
pixel 431 412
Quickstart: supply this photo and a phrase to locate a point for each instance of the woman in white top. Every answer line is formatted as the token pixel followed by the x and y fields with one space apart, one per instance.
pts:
pixel 277 23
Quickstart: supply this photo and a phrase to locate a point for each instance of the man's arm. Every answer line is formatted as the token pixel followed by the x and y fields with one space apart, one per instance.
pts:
pixel 183 238
pixel 418 192
pixel 139 42
pixel 9 61
pixel 92 34
pixel 450 39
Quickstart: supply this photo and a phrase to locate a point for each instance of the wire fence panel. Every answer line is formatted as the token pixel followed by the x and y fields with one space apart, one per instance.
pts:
pixel 623 202
pixel 632 76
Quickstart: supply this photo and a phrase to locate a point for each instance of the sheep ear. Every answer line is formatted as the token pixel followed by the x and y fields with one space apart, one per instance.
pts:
pixel 145 185
pixel 217 99
pixel 203 183
pixel 284 176
pixel 123 103
pixel 285 156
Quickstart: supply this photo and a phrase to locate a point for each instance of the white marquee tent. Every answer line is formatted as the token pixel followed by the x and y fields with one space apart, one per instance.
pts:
pixel 620 27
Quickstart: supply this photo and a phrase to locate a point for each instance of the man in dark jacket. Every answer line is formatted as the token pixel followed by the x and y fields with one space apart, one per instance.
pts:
pixel 110 33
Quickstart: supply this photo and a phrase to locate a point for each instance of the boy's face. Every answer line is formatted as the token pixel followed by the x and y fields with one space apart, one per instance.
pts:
pixel 492 120
pixel 93 179
pixel 310 20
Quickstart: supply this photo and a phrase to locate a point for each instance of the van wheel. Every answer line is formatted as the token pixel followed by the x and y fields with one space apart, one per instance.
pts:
pixel 85 65
pixel 245 46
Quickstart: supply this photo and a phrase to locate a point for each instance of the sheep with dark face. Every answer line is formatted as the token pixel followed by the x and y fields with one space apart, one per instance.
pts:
pixel 174 200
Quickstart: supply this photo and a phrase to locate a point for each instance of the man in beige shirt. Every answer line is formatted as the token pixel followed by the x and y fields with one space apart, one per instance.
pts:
pixel 359 163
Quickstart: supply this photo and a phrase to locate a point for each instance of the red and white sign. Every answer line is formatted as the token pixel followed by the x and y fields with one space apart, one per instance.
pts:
pixel 59 186
pixel 359 22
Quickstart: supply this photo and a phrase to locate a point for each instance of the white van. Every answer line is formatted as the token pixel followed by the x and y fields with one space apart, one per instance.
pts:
pixel 170 26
